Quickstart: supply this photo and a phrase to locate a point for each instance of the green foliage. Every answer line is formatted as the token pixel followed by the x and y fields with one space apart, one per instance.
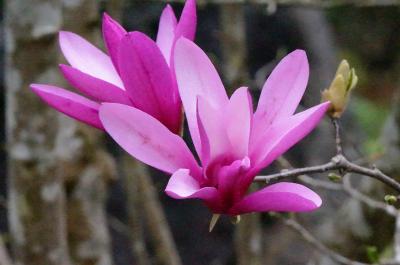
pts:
pixel 372 254
pixel 371 117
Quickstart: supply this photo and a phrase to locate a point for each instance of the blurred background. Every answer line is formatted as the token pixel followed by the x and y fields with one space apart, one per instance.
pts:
pixel 69 195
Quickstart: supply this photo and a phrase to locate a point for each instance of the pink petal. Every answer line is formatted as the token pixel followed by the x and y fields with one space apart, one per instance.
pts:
pixel 87 58
pixel 287 133
pixel 96 88
pixel 146 139
pixel 112 35
pixel 239 114
pixel 148 80
pixel 282 91
pixel 196 76
pixel 71 104
pixel 182 185
pixel 280 197
pixel 187 22
pixel 281 137
pixel 212 131
pixel 166 32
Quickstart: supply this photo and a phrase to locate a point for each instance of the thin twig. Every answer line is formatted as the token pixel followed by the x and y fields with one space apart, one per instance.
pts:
pixel 318 244
pixel 338 140
pixel 337 162
pixel 347 187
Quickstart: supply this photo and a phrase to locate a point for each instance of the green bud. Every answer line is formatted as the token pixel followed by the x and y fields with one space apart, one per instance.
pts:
pixel 339 90
pixel 334 177
pixel 390 199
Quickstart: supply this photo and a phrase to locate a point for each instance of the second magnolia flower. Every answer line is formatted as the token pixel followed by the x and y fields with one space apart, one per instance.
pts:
pixel 136 71
pixel 232 142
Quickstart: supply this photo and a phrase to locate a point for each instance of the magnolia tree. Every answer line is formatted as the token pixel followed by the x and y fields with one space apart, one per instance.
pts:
pixel 141 90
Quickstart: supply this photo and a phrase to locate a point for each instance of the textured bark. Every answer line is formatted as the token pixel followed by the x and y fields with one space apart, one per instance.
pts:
pixel 47 149
pixel 156 222
pixel 89 169
pixel 233 45
pixel 135 209
pixel 34 136
pixel 147 215
pixel 248 240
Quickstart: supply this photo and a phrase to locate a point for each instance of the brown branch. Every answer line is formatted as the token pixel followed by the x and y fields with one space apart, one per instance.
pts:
pixel 338 162
pixel 338 140
pixel 311 3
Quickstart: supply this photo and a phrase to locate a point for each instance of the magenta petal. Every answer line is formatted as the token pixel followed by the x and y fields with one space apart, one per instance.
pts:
pixel 71 104
pixel 284 88
pixel 146 139
pixel 228 175
pixel 280 197
pixel 166 32
pixel 148 81
pixel 238 117
pixel 187 22
pixel 87 58
pixel 183 186
pixel 96 88
pixel 196 76
pixel 112 35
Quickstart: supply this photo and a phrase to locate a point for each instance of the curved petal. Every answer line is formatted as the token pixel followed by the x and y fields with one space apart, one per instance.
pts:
pixel 166 32
pixel 281 137
pixel 146 139
pixel 112 35
pixel 71 104
pixel 228 175
pixel 212 129
pixel 183 186
pixel 87 58
pixel 187 22
pixel 239 116
pixel 148 80
pixel 280 197
pixel 196 76
pixel 287 133
pixel 93 87
pixel 283 89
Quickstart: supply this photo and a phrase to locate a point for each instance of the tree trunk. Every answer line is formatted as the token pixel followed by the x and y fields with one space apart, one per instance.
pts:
pixel 35 137
pixel 90 168
pixel 47 149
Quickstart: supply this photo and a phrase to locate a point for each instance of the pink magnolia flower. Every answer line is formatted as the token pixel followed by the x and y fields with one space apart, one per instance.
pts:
pixel 232 142
pixel 136 72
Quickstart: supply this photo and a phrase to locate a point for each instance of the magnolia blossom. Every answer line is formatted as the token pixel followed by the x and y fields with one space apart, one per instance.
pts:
pixel 233 143
pixel 136 72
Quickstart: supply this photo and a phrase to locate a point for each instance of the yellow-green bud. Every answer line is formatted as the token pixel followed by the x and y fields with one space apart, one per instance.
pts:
pixel 390 199
pixel 334 177
pixel 339 90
